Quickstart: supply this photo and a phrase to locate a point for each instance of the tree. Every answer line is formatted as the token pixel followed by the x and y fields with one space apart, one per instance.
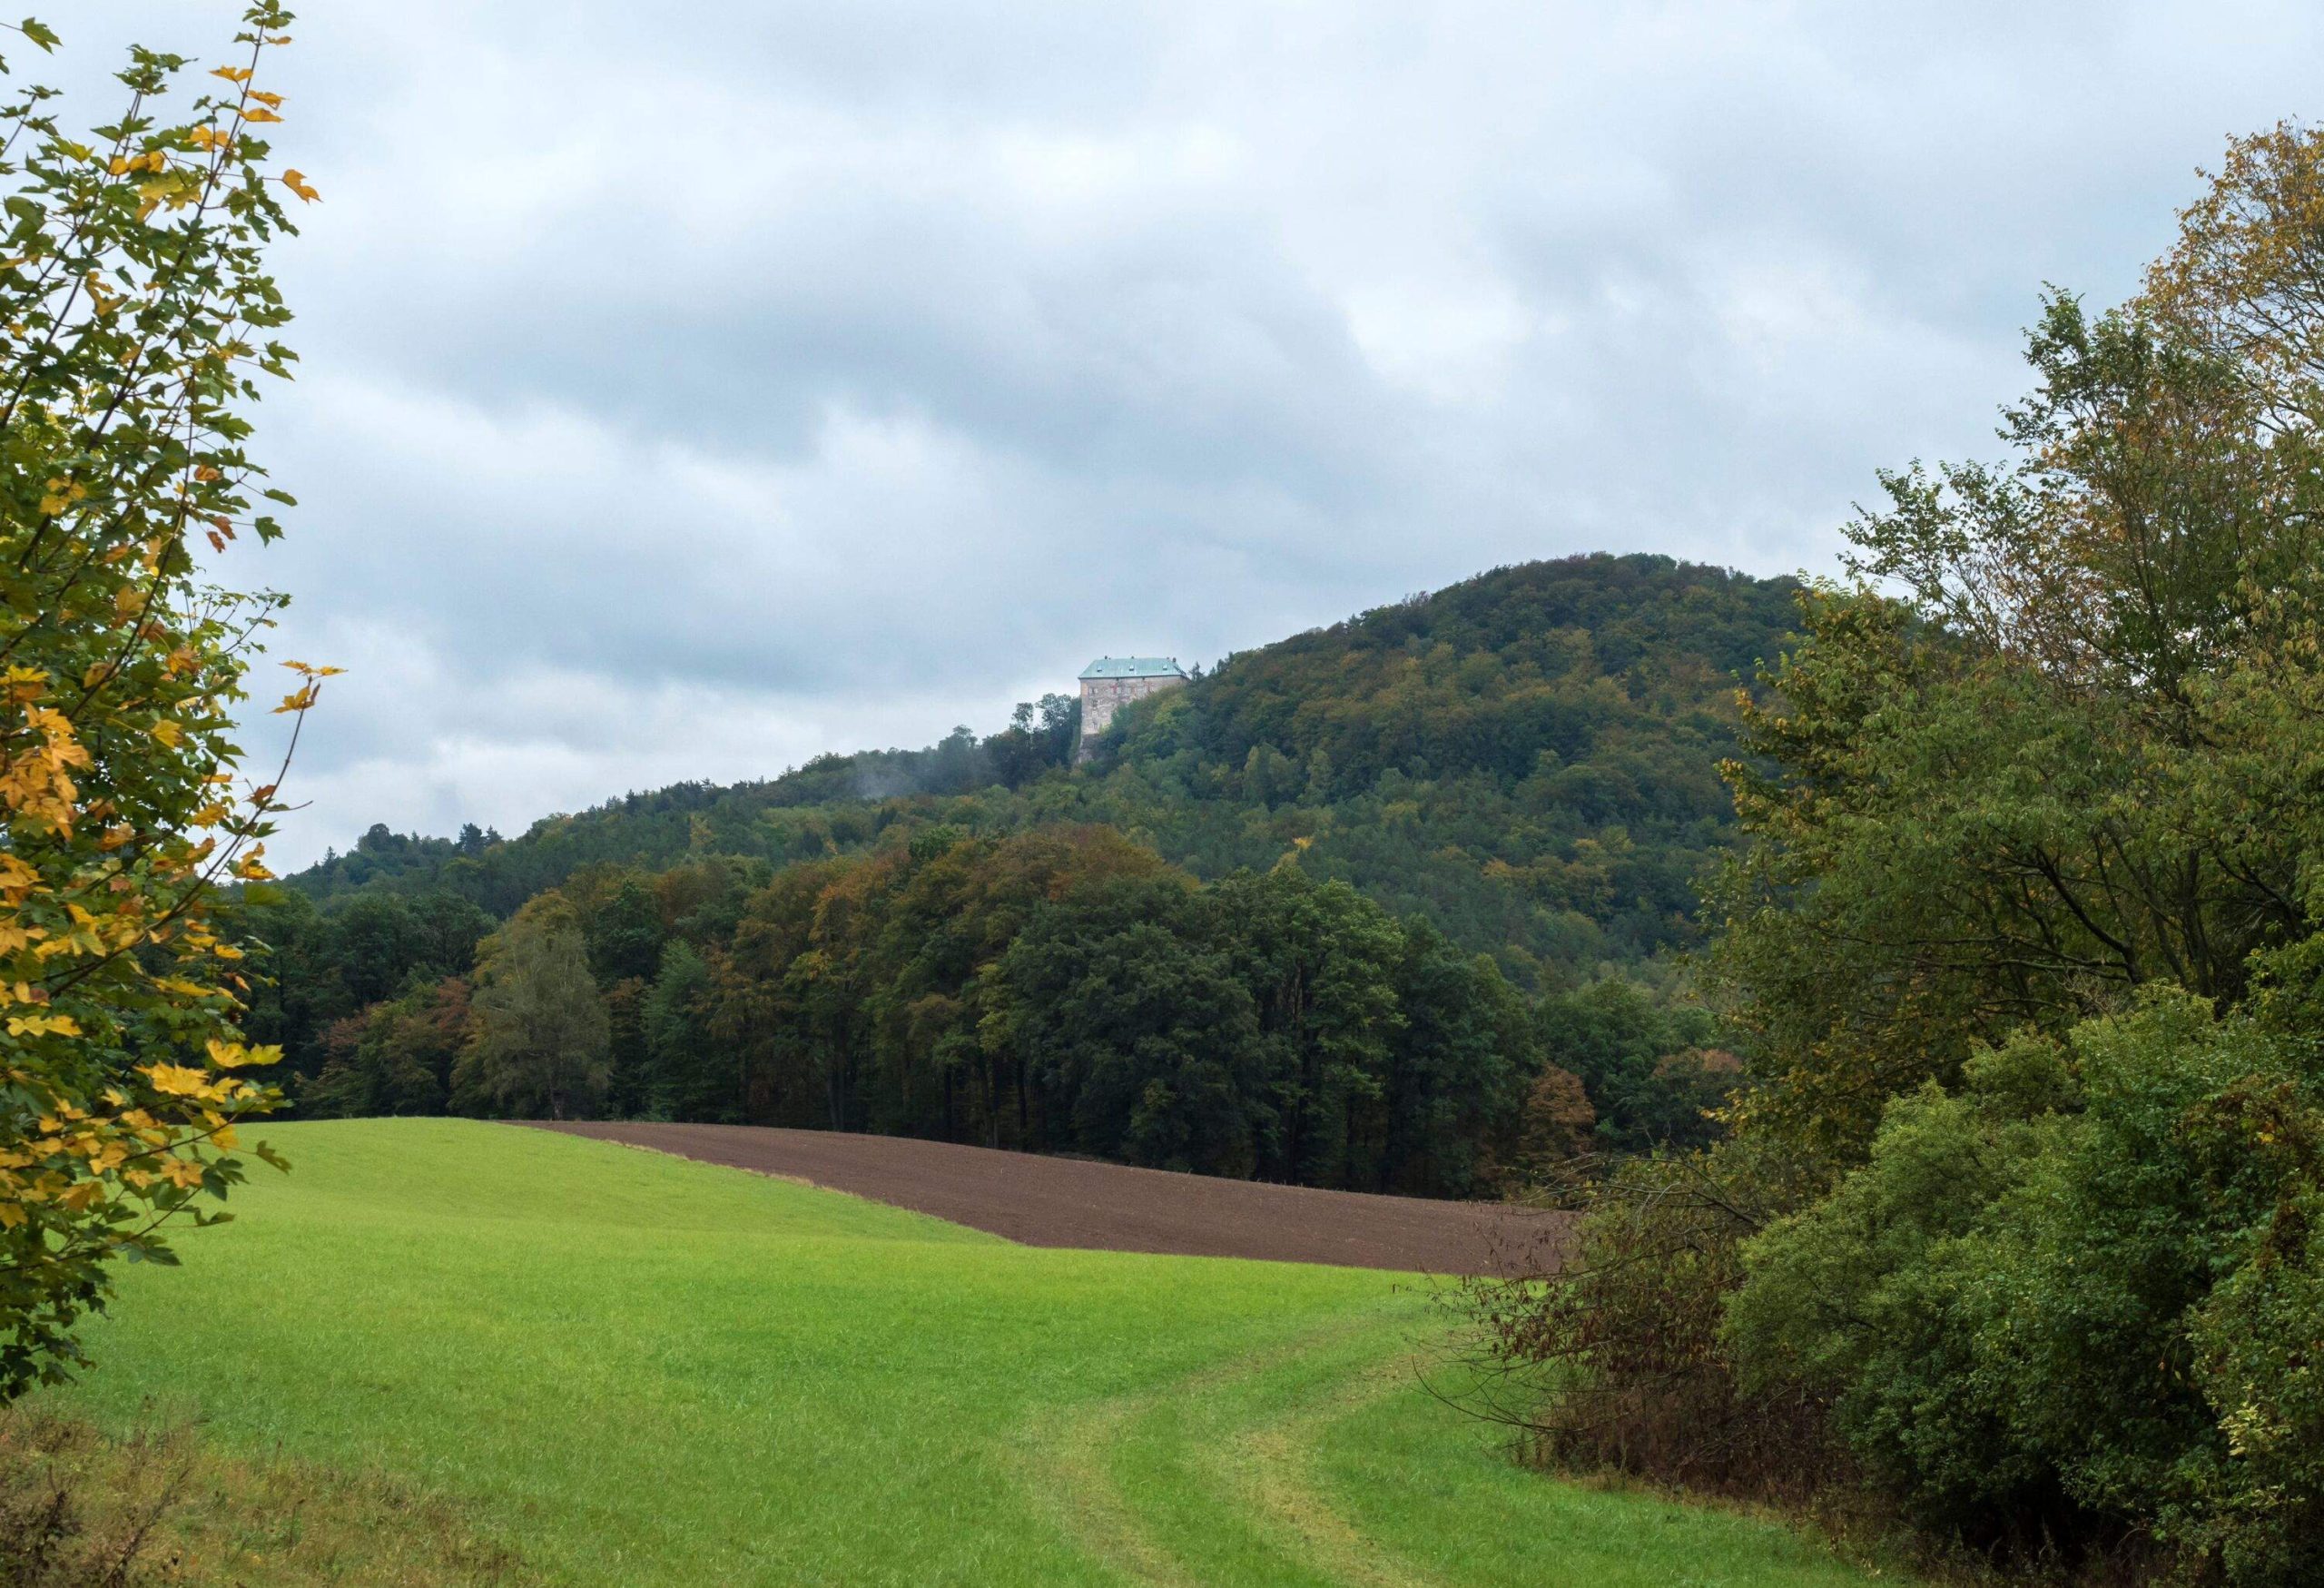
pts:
pixel 538 1035
pixel 300 993
pixel 138 316
pixel 375 941
pixel 625 933
pixel 1457 1068
pixel 686 1082
pixel 2068 1297
pixel 629 1062
pixel 1040 735
pixel 1140 1038
pixel 1555 1124
pixel 448 929
pixel 1640 1059
pixel 2026 787
pixel 394 1058
pixel 1321 960
pixel 2015 1224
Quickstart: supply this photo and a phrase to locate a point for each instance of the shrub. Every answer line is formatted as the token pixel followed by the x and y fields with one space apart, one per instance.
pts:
pixel 2075 1305
pixel 1615 1360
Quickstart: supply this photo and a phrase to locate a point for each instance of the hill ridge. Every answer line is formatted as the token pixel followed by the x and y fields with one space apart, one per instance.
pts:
pixel 1528 757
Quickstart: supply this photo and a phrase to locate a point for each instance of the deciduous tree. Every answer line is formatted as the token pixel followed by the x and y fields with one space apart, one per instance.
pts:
pixel 538 1035
pixel 136 317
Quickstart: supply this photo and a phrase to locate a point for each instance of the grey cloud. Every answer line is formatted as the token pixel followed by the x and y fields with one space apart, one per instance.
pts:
pixel 694 389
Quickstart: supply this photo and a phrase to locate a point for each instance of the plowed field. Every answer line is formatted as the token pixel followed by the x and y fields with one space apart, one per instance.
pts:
pixel 1108 1206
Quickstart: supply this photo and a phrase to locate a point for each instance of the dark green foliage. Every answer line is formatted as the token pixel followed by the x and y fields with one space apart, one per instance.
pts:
pixel 625 933
pixel 1321 962
pixel 2022 945
pixel 687 1082
pixel 1460 1066
pixel 2065 1300
pixel 1131 1020
pixel 1649 1066
pixel 1268 1026
pixel 1529 759
pixel 630 1075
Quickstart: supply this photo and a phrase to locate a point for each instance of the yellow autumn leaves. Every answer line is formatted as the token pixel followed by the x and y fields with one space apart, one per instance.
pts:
pixel 176 188
pixel 303 697
pixel 128 378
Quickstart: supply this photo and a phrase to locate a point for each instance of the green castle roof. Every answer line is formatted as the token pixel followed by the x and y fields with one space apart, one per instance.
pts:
pixel 1133 668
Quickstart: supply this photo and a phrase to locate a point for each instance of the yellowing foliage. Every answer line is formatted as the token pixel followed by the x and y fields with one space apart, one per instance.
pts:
pixel 138 317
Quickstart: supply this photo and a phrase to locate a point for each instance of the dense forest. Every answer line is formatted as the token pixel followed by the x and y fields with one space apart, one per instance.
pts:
pixel 1530 758
pixel 1390 904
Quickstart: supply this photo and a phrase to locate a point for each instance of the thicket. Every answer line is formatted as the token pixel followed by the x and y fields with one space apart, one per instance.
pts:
pixel 2017 1228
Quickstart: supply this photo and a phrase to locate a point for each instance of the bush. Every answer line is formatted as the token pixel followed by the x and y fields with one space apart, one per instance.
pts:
pixel 1616 1361
pixel 2075 1306
pixel 2049 1267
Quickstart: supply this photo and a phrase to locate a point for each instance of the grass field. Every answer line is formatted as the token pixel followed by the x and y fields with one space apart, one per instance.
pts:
pixel 630 1369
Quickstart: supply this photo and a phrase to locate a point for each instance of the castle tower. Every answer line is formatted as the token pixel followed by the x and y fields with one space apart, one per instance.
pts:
pixel 1111 682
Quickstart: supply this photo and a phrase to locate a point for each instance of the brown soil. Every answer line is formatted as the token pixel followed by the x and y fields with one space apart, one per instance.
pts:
pixel 1071 1202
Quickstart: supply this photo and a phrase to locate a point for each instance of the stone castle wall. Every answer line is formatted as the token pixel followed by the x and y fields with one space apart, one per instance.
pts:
pixel 1101 697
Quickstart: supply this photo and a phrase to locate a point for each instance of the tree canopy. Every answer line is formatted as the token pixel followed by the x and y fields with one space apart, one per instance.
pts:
pixel 2017 1223
pixel 1529 758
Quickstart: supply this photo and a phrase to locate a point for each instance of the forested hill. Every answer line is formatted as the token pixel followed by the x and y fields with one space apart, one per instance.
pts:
pixel 1528 758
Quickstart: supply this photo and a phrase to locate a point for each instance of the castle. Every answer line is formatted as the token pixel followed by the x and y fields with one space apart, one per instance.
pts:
pixel 1109 682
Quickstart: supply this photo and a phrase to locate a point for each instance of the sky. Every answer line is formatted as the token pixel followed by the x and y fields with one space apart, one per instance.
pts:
pixel 692 389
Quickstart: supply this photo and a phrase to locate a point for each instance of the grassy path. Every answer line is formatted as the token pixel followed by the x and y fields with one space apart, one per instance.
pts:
pixel 630 1369
pixel 1324 1463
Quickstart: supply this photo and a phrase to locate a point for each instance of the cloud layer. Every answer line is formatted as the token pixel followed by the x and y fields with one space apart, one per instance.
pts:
pixel 690 389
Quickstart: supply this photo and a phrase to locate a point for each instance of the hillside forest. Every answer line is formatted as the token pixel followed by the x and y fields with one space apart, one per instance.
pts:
pixel 1395 904
pixel 1912 980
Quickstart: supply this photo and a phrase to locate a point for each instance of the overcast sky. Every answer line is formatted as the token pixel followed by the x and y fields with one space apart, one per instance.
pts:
pixel 695 387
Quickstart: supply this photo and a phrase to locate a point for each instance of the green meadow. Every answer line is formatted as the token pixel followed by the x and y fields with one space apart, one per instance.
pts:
pixel 629 1370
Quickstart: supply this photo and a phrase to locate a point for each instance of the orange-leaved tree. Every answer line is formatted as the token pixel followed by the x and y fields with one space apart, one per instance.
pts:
pixel 135 318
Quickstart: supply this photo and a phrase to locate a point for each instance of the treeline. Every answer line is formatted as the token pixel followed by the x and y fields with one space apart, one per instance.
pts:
pixel 1063 990
pixel 1529 759
pixel 659 828
pixel 2019 1234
